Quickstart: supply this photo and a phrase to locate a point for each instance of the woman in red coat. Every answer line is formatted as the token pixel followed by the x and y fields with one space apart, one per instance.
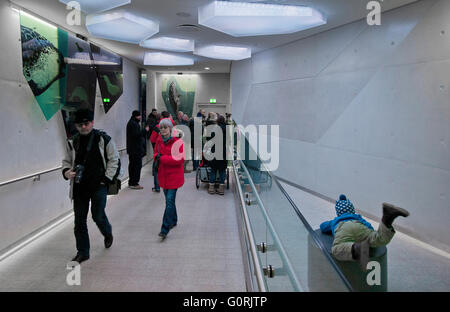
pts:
pixel 170 151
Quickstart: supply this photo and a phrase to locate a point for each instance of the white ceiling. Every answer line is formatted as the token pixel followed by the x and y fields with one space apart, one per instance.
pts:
pixel 338 12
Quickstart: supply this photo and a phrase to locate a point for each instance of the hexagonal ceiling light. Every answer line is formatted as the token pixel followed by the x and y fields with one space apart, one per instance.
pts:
pixel 241 19
pixel 96 6
pixel 164 59
pixel 121 26
pixel 224 52
pixel 169 44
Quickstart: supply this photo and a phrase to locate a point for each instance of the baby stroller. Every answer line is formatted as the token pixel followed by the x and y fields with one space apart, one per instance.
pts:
pixel 203 174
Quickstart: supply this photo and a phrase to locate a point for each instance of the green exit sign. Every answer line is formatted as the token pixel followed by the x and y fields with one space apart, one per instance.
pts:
pixel 212 101
pixel 106 100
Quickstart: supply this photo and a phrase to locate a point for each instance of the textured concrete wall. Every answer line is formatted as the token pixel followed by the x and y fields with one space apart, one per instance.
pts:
pixel 31 144
pixel 363 110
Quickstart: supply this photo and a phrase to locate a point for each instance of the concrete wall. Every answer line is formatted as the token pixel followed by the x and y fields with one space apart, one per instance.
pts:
pixel 31 144
pixel 208 86
pixel 363 110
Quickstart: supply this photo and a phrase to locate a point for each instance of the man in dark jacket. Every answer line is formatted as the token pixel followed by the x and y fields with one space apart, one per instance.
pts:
pixel 91 162
pixel 135 149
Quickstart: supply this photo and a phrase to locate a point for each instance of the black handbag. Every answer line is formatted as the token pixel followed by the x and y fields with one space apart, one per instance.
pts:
pixel 155 166
pixel 114 187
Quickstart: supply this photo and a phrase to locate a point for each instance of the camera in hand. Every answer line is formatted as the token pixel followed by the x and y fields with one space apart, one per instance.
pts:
pixel 78 173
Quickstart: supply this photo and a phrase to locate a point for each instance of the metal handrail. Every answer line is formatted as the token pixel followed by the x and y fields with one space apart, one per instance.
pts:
pixel 292 276
pixel 38 174
pixel 256 262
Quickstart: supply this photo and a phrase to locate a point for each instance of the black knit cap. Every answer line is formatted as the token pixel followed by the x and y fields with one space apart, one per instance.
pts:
pixel 136 113
pixel 83 115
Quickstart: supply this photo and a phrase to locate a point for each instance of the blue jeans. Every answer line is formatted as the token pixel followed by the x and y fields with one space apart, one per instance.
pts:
pixel 170 217
pixel 155 181
pixel 81 210
pixel 212 176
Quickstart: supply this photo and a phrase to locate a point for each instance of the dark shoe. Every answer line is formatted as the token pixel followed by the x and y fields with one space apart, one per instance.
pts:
pixel 80 258
pixel 360 253
pixel 173 225
pixel 108 241
pixel 136 187
pixel 390 212
pixel 156 190
pixel 162 235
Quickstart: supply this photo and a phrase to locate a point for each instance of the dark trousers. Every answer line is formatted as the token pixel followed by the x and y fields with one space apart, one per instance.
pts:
pixel 134 169
pixel 222 175
pixel 170 217
pixel 81 209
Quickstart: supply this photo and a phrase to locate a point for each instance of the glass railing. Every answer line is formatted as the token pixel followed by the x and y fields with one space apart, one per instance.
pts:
pixel 290 254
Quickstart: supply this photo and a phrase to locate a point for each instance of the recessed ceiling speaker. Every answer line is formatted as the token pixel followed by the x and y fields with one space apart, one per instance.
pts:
pixel 188 28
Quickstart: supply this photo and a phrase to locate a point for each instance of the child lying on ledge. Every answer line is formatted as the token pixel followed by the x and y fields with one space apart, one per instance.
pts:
pixel 353 235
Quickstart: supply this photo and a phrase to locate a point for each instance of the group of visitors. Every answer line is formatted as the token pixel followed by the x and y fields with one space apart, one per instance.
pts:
pixel 92 164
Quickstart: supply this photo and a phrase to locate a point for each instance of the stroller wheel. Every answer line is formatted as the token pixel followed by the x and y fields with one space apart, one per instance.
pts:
pixel 197 178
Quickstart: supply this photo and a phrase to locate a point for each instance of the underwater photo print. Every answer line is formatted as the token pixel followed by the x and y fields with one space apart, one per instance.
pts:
pixel 178 93
pixel 44 47
pixel 109 73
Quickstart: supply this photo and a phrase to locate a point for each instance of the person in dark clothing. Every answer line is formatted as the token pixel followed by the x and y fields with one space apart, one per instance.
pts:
pixel 135 149
pixel 152 121
pixel 217 164
pixel 196 153
pixel 91 162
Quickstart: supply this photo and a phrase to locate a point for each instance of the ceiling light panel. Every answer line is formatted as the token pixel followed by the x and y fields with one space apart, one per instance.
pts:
pixel 121 26
pixel 224 52
pixel 169 44
pixel 164 59
pixel 241 19
pixel 96 6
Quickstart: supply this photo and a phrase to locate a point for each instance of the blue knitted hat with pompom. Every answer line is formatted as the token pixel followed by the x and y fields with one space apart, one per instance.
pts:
pixel 343 205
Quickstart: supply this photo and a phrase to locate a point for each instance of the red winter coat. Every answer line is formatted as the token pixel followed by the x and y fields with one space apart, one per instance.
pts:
pixel 170 171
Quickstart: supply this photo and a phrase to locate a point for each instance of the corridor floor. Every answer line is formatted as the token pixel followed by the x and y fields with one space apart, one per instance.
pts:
pixel 202 253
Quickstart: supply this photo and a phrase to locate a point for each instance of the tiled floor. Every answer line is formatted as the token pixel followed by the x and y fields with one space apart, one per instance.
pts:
pixel 412 265
pixel 202 253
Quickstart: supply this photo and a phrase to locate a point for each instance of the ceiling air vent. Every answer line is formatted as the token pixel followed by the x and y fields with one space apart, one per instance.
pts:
pixel 188 28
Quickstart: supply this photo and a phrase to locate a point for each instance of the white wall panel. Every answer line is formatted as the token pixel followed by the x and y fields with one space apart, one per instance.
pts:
pixel 241 83
pixel 388 120
pixel 304 108
pixel 426 41
pixel 375 44
pixel 311 55
pixel 11 67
